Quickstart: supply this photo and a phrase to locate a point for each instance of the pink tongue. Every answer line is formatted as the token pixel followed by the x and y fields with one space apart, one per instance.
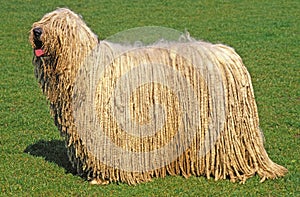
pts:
pixel 39 52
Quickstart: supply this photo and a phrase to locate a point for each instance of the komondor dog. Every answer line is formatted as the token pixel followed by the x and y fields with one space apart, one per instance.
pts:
pixel 107 99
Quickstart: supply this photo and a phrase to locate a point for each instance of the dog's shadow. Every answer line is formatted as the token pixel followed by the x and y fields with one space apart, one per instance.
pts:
pixel 52 151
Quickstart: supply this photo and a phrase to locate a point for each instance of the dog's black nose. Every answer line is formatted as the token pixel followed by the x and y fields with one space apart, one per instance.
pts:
pixel 37 32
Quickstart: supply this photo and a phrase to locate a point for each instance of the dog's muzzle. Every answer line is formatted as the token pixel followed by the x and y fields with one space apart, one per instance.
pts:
pixel 38 50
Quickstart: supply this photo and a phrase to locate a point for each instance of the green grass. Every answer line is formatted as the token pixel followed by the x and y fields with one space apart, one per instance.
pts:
pixel 265 33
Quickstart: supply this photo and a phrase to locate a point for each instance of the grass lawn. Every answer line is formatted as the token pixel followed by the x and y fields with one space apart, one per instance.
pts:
pixel 266 34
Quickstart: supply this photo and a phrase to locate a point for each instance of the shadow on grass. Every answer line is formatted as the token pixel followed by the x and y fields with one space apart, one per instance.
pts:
pixel 53 151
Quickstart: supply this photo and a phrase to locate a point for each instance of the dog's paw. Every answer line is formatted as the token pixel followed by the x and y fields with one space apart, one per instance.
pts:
pixel 98 181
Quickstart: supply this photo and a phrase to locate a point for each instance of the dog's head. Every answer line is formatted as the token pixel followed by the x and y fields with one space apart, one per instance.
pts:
pixel 61 39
